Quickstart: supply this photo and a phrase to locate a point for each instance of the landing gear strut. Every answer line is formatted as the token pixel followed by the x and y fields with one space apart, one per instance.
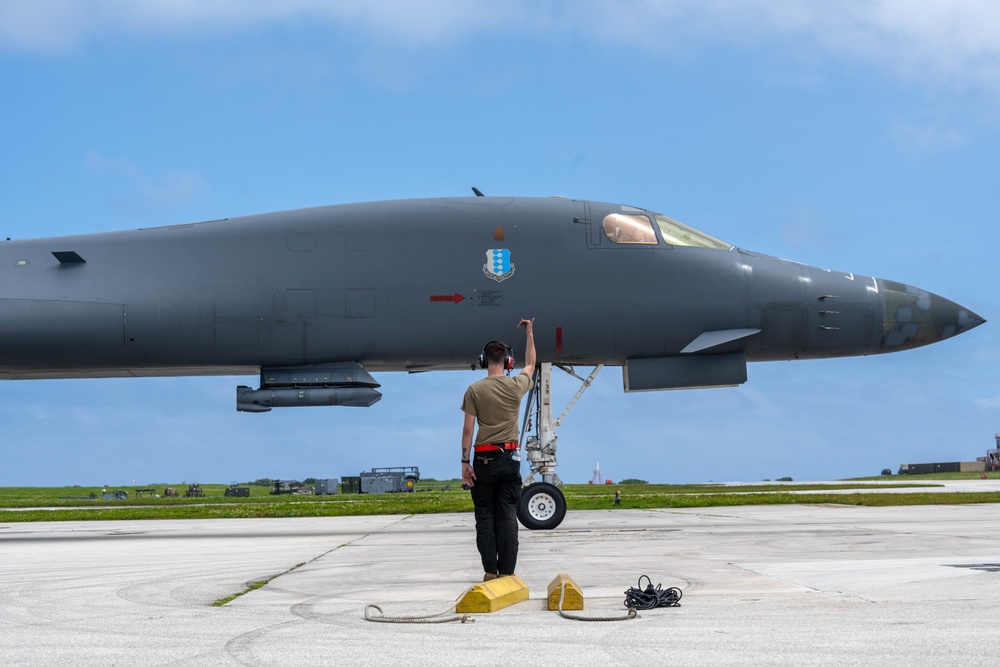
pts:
pixel 542 505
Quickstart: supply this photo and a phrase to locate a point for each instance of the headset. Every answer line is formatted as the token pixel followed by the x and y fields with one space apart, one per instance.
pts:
pixel 508 359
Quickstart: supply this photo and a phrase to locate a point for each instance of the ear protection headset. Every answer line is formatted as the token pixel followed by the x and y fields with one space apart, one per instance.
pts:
pixel 508 359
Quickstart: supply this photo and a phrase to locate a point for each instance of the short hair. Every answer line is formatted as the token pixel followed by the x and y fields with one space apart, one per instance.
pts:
pixel 496 352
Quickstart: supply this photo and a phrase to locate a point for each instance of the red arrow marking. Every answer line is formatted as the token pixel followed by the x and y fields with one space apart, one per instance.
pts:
pixel 559 347
pixel 454 298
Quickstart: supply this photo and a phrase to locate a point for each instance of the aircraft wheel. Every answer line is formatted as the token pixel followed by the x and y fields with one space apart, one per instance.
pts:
pixel 542 506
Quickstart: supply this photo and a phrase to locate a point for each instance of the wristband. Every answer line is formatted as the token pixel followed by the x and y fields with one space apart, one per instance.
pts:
pixel 466 461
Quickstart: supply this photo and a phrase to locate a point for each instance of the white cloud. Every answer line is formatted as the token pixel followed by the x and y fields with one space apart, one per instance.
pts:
pixel 162 192
pixel 52 25
pixel 955 42
pixel 925 138
pixel 947 41
pixel 805 227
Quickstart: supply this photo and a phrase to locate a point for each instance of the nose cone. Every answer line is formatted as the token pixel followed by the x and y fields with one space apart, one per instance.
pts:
pixel 915 317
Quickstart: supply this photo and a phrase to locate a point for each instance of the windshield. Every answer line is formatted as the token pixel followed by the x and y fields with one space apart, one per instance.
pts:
pixel 677 233
pixel 623 228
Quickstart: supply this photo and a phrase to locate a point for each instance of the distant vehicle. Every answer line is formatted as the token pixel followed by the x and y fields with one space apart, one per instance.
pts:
pixel 886 472
pixel 237 491
pixel 289 486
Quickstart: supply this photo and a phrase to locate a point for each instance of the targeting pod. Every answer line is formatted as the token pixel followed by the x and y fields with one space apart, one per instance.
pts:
pixel 336 384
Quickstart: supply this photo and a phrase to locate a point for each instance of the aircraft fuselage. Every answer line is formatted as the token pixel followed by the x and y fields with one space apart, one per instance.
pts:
pixel 423 284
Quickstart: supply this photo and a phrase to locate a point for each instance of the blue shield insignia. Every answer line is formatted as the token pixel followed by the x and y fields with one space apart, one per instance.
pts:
pixel 498 265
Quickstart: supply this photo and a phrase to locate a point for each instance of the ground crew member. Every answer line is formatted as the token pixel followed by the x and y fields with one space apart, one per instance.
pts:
pixel 493 468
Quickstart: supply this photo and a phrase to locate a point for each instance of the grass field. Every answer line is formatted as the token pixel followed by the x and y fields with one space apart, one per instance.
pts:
pixel 72 504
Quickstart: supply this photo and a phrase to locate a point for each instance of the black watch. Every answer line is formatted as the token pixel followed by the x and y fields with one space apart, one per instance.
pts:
pixel 466 461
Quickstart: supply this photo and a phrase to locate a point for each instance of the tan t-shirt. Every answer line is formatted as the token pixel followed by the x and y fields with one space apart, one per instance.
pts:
pixel 495 401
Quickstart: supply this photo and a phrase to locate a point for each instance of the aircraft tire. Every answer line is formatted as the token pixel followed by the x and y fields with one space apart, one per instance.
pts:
pixel 542 506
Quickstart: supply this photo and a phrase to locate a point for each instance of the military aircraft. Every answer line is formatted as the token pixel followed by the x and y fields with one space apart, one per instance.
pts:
pixel 314 299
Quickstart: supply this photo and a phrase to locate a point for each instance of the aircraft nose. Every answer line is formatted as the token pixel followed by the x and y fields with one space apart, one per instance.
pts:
pixel 913 317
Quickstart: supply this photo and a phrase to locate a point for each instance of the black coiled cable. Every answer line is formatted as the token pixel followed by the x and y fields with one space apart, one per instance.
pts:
pixel 651 598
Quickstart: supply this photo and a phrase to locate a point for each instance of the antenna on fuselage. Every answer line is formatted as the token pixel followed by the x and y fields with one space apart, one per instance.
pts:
pixel 478 193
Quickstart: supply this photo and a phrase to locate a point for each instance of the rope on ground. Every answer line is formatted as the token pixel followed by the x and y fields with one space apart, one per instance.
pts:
pixel 651 598
pixel 428 618
pixel 632 613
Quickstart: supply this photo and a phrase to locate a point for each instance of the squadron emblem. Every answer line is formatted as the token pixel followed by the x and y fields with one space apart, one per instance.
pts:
pixel 498 265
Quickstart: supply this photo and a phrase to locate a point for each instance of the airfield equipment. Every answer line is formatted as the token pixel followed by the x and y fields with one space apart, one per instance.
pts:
pixel 288 486
pixel 950 466
pixel 992 459
pixel 237 491
pixel 598 478
pixel 325 487
pixel 390 480
pixel 91 496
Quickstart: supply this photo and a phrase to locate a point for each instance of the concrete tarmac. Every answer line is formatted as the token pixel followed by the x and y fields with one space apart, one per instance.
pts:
pixel 777 585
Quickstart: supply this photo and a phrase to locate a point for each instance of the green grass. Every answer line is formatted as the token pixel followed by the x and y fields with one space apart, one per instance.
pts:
pixel 214 505
pixel 75 496
pixel 252 586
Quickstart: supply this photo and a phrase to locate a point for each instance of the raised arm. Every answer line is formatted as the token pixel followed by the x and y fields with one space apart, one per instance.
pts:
pixel 529 345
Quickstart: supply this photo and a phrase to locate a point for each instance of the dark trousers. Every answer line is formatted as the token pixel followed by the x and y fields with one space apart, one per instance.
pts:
pixel 495 495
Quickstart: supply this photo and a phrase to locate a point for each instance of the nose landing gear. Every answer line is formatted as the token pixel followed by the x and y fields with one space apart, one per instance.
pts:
pixel 543 505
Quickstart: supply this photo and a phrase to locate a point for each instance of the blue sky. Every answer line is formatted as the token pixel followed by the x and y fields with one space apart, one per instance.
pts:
pixel 859 136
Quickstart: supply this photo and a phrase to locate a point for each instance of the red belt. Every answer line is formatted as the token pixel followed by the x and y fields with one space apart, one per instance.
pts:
pixel 497 446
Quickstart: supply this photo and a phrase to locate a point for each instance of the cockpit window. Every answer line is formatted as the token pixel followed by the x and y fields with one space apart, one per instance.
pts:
pixel 677 233
pixel 622 228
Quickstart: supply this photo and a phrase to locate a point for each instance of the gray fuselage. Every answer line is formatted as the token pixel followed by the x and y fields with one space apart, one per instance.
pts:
pixel 409 285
